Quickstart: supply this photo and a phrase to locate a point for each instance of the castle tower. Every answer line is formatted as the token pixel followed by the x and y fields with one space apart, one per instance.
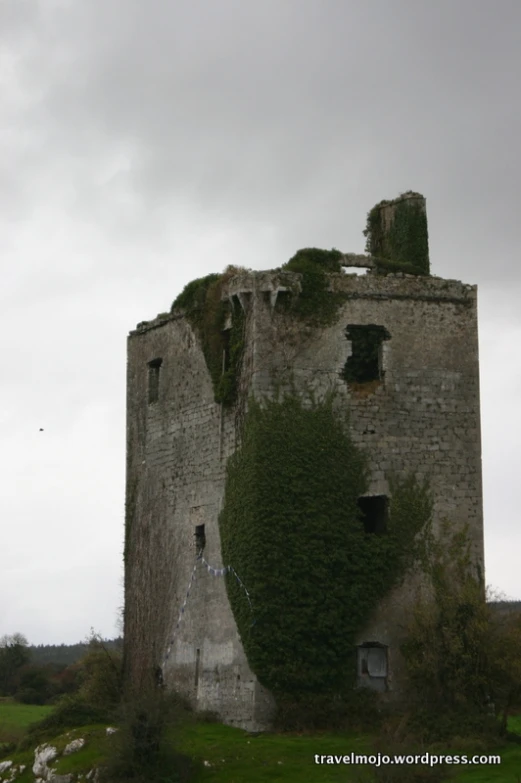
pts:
pixel 414 407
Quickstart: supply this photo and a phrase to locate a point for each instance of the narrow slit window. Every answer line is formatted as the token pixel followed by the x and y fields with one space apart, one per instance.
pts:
pixel 374 512
pixel 200 538
pixel 154 368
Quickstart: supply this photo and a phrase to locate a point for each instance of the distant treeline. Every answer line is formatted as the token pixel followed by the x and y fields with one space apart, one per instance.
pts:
pixel 505 607
pixel 66 654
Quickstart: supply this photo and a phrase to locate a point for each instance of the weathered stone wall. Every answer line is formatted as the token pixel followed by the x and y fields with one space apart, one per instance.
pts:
pixel 423 416
pixel 177 451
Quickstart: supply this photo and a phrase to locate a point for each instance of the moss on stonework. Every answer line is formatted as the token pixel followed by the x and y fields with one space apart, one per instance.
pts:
pixel 207 313
pixel 404 246
pixel 291 527
pixel 316 303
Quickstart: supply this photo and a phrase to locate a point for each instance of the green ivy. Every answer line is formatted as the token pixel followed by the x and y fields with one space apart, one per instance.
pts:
pixel 316 303
pixel 201 301
pixel 227 387
pixel 405 247
pixel 193 295
pixel 291 527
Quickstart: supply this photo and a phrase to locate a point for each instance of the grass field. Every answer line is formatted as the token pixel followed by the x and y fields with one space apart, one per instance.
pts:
pixel 236 757
pixel 233 756
pixel 15 718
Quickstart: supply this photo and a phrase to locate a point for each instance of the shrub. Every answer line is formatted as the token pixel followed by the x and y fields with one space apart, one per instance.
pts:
pixel 463 664
pixel 34 684
pixel 356 710
pixel 101 677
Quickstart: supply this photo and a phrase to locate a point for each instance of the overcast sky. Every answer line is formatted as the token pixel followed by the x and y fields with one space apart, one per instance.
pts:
pixel 144 144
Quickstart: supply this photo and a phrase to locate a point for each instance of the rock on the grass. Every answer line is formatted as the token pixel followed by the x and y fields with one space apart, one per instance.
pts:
pixel 42 756
pixel 73 746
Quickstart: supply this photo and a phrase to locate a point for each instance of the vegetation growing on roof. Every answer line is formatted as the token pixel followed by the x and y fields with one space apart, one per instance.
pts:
pixel 315 303
pixel 291 528
pixel 404 246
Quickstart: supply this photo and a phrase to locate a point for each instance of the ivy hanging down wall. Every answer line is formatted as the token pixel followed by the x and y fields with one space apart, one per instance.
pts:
pixel 291 526
pixel 201 302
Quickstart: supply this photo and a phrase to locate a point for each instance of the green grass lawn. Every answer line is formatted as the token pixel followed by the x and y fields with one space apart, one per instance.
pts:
pixel 235 756
pixel 15 718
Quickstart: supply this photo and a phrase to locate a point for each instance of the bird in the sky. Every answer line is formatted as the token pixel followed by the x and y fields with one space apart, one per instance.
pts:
pixel 41 429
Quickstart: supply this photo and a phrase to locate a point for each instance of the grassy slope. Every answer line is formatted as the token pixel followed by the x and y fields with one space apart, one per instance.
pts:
pixel 235 756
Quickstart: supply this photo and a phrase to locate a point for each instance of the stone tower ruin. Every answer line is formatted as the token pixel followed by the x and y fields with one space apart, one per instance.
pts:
pixel 413 406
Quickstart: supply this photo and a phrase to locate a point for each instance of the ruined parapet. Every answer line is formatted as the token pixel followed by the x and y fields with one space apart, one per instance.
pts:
pixel 397 235
pixel 241 287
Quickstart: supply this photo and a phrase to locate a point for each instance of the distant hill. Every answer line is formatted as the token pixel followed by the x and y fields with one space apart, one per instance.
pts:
pixel 65 654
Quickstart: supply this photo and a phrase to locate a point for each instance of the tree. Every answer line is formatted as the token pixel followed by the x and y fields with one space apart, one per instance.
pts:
pixel 14 654
pixel 462 658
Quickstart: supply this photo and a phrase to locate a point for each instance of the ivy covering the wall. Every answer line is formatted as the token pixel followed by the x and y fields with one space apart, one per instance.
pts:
pixel 404 247
pixel 292 529
pixel 315 303
pixel 201 302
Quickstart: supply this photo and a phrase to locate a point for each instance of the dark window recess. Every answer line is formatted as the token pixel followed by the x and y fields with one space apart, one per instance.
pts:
pixel 372 666
pixel 365 363
pixel 154 368
pixel 200 538
pixel 374 511
pixel 283 300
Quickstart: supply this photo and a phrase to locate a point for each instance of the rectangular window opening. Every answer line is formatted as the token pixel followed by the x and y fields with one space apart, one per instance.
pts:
pixel 374 512
pixel 372 660
pixel 372 665
pixel 200 538
pixel 365 363
pixel 154 368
